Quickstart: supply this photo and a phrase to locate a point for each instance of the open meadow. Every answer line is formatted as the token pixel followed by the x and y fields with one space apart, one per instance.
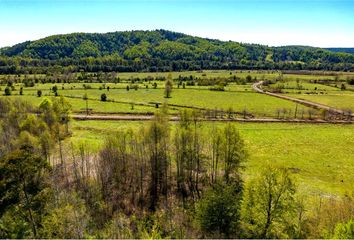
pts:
pixel 321 156
pixel 140 92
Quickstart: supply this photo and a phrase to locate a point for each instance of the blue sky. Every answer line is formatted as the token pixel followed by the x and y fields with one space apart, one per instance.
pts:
pixel 321 23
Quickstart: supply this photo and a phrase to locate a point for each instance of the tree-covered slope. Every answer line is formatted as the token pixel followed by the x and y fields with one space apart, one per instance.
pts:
pixel 135 44
pixel 344 50
pixel 165 50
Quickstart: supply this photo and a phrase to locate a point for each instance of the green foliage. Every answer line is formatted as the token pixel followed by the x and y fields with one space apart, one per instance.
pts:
pixel 103 97
pixel 218 212
pixel 55 90
pixel 23 186
pixel 220 88
pixel 117 228
pixel 68 219
pixel 13 226
pixel 168 88
pixel 344 230
pixel 7 91
pixel 162 50
pixel 86 48
pixel 233 153
pixel 157 138
pixel 269 204
pixel 342 87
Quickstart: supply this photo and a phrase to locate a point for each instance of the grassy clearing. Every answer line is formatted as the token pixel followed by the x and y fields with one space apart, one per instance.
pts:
pixel 303 86
pixel 79 105
pixel 258 104
pixel 321 156
pixel 339 99
pixel 319 93
pixel 237 97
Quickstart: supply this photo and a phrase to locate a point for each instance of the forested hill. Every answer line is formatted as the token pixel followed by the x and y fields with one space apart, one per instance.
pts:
pixel 160 50
pixel 344 50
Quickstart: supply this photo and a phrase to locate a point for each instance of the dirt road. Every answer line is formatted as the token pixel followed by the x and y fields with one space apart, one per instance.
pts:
pixel 257 87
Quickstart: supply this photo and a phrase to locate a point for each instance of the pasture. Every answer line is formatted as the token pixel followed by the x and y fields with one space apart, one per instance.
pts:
pixel 320 156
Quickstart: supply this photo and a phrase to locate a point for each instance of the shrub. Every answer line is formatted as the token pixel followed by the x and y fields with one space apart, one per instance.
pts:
pixel 217 88
pixel 103 97
pixel 342 87
pixel 7 91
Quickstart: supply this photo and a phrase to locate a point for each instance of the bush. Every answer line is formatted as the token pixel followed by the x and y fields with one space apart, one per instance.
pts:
pixel 7 91
pixel 342 87
pixel 103 97
pixel 55 89
pixel 217 88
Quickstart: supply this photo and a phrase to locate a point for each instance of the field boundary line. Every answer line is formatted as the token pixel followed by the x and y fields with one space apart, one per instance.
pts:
pixel 176 118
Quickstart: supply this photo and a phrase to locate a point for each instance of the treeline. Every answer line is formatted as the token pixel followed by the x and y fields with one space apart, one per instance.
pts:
pixel 344 50
pixel 160 50
pixel 153 182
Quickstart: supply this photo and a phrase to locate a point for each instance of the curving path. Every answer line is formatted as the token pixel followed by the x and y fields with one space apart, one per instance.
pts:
pixel 257 87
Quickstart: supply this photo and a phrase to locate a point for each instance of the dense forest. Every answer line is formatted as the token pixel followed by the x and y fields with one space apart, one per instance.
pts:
pixel 343 50
pixel 160 50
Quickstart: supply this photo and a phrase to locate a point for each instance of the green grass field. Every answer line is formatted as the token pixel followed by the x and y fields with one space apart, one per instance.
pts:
pixel 303 86
pixel 258 104
pixel 319 93
pixel 237 97
pixel 255 103
pixel 321 156
pixel 340 100
pixel 79 105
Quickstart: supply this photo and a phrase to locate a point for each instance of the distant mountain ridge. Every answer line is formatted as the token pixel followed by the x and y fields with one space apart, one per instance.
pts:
pixel 343 50
pixel 162 50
